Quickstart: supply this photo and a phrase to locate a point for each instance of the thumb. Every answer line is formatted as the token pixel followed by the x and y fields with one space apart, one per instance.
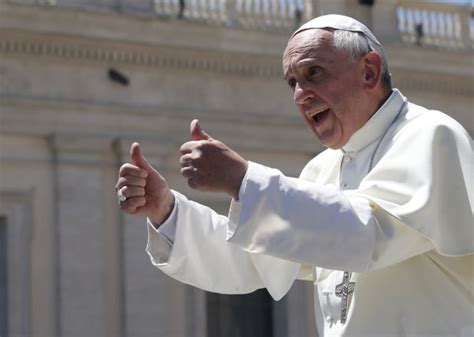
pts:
pixel 138 158
pixel 196 132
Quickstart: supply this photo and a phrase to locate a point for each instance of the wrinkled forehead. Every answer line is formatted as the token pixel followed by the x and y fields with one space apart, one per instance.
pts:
pixel 314 39
pixel 310 43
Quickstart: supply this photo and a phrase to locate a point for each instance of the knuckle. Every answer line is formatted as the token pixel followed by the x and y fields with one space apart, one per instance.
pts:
pixel 184 159
pixel 187 171
pixel 186 147
pixel 141 183
pixel 128 170
pixel 122 169
pixel 120 182
pixel 125 190
pixel 125 168
pixel 132 204
pixel 128 206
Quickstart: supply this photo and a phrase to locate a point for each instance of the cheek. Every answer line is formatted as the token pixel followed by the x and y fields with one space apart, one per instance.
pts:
pixel 332 93
pixel 341 90
pixel 301 110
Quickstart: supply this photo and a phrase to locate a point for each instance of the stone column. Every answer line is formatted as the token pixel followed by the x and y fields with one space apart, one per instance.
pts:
pixel 137 7
pixel 312 9
pixel 81 165
pixel 156 305
pixel 345 7
pixel 465 14
pixel 330 7
pixel 363 13
pixel 300 309
pixel 381 17
pixel 231 13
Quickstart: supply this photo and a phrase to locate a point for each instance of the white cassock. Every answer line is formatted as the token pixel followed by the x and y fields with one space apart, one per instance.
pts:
pixel 393 208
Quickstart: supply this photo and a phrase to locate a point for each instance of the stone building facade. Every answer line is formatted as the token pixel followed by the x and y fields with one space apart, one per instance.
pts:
pixel 81 80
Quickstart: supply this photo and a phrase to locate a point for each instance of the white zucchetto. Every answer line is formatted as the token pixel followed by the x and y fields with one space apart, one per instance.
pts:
pixel 338 22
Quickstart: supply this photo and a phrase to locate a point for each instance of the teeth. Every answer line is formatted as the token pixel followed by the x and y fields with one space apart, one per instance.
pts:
pixel 314 113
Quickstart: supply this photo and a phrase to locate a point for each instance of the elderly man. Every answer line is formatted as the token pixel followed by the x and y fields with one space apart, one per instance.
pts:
pixel 381 221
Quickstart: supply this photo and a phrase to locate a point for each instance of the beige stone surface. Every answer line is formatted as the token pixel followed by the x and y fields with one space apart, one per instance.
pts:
pixel 65 128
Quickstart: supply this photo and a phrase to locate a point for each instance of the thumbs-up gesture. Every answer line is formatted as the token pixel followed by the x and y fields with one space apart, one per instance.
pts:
pixel 147 193
pixel 210 165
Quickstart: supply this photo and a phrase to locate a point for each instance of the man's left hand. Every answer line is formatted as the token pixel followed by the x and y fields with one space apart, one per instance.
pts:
pixel 210 165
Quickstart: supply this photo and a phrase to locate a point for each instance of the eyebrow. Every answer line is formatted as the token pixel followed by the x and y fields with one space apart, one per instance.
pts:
pixel 328 64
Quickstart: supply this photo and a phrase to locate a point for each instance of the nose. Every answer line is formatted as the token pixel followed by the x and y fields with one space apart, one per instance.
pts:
pixel 302 93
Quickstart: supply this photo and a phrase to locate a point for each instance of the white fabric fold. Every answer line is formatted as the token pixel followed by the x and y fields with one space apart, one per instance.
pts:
pixel 201 256
pixel 404 228
pixel 301 221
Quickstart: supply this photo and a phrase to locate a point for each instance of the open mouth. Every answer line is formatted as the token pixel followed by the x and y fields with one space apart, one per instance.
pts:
pixel 319 116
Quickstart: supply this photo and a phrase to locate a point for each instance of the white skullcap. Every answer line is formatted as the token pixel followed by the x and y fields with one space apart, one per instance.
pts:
pixel 338 22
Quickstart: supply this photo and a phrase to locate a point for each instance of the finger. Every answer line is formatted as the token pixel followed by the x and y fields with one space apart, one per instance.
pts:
pixel 196 132
pixel 195 183
pixel 189 147
pixel 186 159
pixel 133 170
pixel 188 171
pixel 131 181
pixel 132 205
pixel 192 183
pixel 132 191
pixel 138 159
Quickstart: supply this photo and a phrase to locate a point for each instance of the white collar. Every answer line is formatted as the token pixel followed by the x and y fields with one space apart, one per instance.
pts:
pixel 377 125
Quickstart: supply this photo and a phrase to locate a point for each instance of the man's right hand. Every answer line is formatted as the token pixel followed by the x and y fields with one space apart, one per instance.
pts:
pixel 147 192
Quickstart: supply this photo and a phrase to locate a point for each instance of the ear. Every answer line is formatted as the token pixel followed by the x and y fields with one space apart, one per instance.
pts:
pixel 372 70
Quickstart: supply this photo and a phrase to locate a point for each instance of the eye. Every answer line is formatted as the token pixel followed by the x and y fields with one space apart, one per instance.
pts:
pixel 292 83
pixel 315 71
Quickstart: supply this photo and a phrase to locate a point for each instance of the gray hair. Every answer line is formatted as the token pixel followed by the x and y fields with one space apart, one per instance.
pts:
pixel 356 44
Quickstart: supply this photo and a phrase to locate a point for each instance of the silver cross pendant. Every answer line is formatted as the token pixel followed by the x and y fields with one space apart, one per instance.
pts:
pixel 344 290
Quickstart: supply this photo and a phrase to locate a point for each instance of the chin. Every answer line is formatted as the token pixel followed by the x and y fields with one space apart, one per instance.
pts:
pixel 329 143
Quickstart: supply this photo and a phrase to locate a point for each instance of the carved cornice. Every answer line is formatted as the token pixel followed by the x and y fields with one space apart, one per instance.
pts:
pixel 109 52
pixel 216 62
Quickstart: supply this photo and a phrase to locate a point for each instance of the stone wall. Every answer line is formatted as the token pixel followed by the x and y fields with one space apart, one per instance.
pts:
pixel 77 265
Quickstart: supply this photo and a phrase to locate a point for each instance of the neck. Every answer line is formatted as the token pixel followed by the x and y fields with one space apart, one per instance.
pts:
pixel 380 98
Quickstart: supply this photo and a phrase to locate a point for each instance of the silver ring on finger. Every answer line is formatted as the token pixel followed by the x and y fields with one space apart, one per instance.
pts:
pixel 120 196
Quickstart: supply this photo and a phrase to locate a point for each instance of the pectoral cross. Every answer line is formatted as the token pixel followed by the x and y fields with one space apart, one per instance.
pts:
pixel 344 290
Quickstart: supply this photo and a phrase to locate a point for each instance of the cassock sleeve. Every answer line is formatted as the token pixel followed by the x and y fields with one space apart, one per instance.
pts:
pixel 301 221
pixel 315 224
pixel 417 198
pixel 201 256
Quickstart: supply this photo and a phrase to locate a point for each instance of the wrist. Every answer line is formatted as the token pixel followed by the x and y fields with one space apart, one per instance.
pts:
pixel 236 190
pixel 164 211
